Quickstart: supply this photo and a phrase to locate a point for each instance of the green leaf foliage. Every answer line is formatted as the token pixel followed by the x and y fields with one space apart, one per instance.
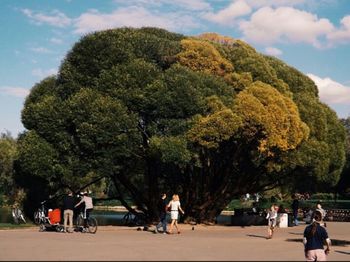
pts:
pixel 153 111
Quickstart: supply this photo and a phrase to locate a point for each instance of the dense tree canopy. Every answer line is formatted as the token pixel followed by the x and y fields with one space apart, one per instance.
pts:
pixel 153 111
pixel 8 153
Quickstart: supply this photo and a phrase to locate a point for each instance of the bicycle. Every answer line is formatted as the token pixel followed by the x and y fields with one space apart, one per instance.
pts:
pixel 91 224
pixel 39 215
pixel 130 219
pixel 18 216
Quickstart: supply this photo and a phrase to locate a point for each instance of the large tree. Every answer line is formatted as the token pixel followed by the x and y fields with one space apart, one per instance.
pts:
pixel 208 118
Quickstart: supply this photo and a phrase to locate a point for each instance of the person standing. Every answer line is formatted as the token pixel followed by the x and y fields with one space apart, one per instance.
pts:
pixel 175 207
pixel 314 238
pixel 87 200
pixel 162 208
pixel 271 221
pixel 68 207
pixel 295 207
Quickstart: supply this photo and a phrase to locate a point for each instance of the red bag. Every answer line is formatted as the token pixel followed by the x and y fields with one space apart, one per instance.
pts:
pixel 55 216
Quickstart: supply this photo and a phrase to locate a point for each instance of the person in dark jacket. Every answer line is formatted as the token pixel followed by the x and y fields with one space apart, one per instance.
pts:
pixel 162 209
pixel 315 236
pixel 295 207
pixel 68 207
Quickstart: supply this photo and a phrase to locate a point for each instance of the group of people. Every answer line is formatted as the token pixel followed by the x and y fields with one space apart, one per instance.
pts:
pixel 315 235
pixel 174 207
pixel 69 204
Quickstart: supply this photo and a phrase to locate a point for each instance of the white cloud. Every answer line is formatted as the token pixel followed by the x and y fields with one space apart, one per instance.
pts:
pixel 194 5
pixel 56 41
pixel 228 15
pixel 41 50
pixel 342 35
pixel 133 17
pixel 275 3
pixel 330 91
pixel 14 91
pixel 273 51
pixel 309 4
pixel 43 73
pixel 56 18
pixel 285 24
pixel 191 4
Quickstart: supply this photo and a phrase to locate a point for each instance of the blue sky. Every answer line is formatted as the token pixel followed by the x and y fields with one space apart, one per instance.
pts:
pixel 310 35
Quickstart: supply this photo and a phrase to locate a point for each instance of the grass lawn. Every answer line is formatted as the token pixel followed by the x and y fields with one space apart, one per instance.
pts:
pixel 15 226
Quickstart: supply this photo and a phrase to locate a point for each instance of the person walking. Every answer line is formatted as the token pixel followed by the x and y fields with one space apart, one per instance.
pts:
pixel 314 238
pixel 162 208
pixel 271 221
pixel 323 213
pixel 87 200
pixel 175 207
pixel 68 207
pixel 295 207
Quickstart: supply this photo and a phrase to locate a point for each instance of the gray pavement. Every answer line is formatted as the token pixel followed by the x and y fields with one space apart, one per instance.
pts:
pixel 203 243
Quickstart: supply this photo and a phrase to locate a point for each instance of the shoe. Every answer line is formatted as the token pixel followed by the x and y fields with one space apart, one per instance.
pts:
pixel 178 232
pixel 164 233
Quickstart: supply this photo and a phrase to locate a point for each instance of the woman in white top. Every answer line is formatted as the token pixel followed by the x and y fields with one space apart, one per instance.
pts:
pixel 175 207
pixel 272 219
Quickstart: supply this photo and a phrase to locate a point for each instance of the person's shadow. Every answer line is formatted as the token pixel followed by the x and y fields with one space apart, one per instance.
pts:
pixel 259 236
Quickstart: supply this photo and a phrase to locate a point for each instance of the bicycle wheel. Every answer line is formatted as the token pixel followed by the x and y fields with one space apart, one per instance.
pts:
pixel 36 218
pixel 23 219
pixel 42 228
pixel 80 223
pixel 127 218
pixel 92 225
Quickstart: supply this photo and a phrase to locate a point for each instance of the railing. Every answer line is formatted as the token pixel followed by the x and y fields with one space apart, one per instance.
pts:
pixel 341 215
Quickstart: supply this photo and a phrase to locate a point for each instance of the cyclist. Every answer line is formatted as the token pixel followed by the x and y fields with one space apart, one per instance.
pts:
pixel 87 200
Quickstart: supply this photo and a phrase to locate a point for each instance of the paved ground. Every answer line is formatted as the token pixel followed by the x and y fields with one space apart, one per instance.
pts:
pixel 203 243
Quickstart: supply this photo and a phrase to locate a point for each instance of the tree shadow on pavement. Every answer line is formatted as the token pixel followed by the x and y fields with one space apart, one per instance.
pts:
pixel 342 252
pixel 293 233
pixel 335 242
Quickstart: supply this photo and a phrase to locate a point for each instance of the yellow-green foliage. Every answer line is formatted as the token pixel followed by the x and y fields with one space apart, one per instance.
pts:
pixel 210 130
pixel 202 56
pixel 261 105
pixel 239 81
pixel 214 37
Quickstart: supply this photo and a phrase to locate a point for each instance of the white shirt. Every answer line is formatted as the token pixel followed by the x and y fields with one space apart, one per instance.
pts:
pixel 174 205
pixel 88 202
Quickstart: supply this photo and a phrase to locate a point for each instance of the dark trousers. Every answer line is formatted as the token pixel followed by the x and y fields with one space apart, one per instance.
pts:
pixel 162 222
pixel 87 215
